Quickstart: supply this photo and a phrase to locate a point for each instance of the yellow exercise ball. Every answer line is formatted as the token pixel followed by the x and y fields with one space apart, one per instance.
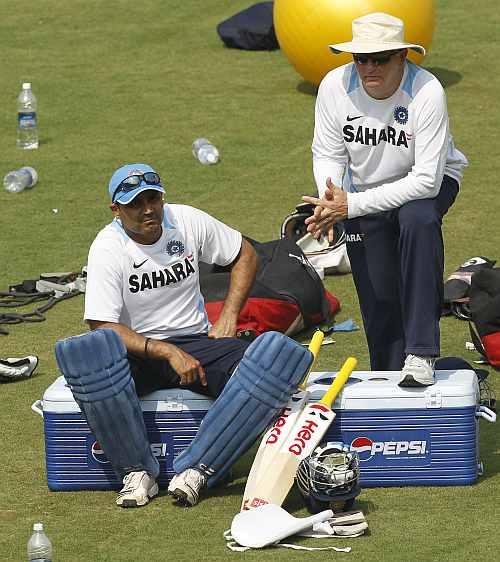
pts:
pixel 305 28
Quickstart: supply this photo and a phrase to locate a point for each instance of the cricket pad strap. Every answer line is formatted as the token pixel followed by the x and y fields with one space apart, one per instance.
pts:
pixel 268 374
pixel 96 368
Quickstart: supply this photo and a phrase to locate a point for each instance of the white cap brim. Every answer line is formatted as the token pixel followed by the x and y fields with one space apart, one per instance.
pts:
pixel 129 196
pixel 373 47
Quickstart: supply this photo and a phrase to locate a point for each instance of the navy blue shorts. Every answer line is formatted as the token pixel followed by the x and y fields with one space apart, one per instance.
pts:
pixel 218 357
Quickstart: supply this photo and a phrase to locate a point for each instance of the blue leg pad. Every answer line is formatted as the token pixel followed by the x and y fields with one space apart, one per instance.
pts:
pixel 96 368
pixel 268 374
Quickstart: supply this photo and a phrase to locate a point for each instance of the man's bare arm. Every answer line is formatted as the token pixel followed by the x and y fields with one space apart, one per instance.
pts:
pixel 243 270
pixel 186 366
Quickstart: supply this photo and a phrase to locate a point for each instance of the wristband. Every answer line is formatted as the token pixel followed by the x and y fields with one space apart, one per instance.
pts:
pixel 146 343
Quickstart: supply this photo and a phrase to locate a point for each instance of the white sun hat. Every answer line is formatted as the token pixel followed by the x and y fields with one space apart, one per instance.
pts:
pixel 374 33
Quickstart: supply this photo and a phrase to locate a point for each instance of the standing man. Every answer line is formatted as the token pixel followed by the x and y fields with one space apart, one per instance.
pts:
pixel 384 162
pixel 143 283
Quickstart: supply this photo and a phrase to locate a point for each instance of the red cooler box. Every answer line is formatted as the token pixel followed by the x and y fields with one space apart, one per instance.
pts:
pixel 75 460
pixel 408 436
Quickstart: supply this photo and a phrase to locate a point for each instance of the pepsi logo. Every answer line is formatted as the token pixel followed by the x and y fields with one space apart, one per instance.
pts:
pixel 97 453
pixel 159 450
pixel 367 448
pixel 364 447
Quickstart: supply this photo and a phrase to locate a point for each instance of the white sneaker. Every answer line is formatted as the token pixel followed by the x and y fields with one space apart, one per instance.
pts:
pixel 138 488
pixel 14 368
pixel 186 486
pixel 417 371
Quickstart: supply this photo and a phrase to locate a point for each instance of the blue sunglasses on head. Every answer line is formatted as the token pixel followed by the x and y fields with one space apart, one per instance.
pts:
pixel 132 182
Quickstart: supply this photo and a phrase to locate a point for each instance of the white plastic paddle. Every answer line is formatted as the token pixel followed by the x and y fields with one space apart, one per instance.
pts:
pixel 269 523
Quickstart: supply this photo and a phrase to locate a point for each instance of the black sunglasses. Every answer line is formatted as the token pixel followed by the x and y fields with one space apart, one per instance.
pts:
pixel 132 182
pixel 378 60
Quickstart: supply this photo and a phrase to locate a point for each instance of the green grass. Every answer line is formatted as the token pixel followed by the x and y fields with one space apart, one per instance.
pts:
pixel 126 81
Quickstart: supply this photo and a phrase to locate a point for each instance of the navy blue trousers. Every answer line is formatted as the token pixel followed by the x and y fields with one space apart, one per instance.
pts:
pixel 397 262
pixel 218 357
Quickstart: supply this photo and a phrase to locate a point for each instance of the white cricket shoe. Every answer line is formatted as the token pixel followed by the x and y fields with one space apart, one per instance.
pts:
pixel 138 488
pixel 417 371
pixel 14 368
pixel 186 486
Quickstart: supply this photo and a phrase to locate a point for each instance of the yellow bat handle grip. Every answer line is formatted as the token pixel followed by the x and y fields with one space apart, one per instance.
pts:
pixel 316 342
pixel 339 381
pixel 314 348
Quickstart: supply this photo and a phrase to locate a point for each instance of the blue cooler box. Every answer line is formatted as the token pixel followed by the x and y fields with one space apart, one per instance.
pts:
pixel 408 436
pixel 75 460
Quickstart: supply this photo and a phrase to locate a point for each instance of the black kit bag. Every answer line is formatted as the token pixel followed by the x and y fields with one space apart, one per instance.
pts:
pixel 457 286
pixel 251 29
pixel 287 295
pixel 485 313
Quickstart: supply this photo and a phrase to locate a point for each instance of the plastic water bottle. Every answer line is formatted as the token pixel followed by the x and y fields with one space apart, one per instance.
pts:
pixel 39 546
pixel 205 152
pixel 17 180
pixel 27 126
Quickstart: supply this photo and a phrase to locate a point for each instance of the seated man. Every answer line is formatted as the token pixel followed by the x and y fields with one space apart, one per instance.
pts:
pixel 385 163
pixel 143 283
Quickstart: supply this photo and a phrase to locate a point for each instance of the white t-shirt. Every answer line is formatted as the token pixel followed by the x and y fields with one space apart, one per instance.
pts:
pixel 154 289
pixel 384 153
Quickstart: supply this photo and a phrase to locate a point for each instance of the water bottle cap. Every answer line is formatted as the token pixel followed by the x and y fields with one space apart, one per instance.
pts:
pixel 38 527
pixel 26 85
pixel 33 173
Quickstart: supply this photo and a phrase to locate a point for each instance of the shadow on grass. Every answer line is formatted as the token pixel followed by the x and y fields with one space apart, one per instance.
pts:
pixel 294 503
pixel 307 88
pixel 233 488
pixel 489 451
pixel 444 75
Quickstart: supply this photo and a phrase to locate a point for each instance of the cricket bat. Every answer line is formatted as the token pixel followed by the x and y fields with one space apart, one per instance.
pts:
pixel 277 433
pixel 309 428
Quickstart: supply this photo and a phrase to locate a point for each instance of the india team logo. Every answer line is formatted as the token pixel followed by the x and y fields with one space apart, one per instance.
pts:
pixel 136 172
pixel 175 248
pixel 401 115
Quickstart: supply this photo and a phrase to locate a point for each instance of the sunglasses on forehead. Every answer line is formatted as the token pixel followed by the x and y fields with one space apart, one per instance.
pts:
pixel 132 182
pixel 377 60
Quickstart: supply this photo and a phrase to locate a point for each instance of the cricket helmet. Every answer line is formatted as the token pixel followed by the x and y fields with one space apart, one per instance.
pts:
pixel 295 228
pixel 328 256
pixel 487 396
pixel 329 477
